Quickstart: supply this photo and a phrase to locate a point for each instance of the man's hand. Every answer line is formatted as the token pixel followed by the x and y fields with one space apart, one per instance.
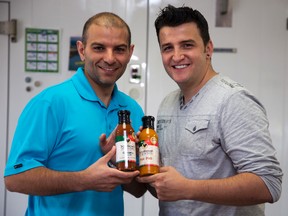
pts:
pixel 100 177
pixel 107 144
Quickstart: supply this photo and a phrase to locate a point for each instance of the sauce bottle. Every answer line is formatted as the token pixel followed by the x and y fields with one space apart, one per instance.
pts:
pixel 148 148
pixel 125 143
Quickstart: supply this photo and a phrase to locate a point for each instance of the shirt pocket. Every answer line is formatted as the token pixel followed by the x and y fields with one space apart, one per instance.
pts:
pixel 194 137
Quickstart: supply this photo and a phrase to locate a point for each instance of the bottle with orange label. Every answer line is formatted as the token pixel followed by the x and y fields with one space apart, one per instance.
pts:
pixel 125 143
pixel 148 148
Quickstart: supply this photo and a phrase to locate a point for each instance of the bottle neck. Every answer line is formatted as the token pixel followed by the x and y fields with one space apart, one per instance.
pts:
pixel 148 122
pixel 124 117
pixel 124 121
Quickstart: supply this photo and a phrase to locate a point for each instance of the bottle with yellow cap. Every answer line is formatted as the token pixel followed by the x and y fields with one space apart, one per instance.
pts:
pixel 148 148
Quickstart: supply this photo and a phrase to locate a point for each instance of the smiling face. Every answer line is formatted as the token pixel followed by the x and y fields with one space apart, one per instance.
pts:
pixel 184 56
pixel 106 54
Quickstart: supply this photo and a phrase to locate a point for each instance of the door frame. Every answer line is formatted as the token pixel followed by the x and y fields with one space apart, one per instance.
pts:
pixel 4 96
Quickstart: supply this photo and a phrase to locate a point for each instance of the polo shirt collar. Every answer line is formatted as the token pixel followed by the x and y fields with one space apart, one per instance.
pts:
pixel 86 91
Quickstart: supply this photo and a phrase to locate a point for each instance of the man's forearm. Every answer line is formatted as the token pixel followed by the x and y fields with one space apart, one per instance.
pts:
pixel 242 189
pixel 42 181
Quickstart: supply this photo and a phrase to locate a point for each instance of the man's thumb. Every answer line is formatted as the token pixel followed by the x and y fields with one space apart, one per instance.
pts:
pixel 110 154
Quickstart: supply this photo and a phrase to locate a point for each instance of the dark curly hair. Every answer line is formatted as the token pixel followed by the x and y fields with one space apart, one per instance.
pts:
pixel 172 17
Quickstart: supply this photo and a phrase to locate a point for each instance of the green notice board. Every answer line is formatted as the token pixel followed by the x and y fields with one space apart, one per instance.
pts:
pixel 41 50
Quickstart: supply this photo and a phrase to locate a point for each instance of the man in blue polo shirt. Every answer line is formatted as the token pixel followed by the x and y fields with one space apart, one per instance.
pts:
pixel 56 156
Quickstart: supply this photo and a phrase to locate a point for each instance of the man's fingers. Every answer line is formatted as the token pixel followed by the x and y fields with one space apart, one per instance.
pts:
pixel 110 154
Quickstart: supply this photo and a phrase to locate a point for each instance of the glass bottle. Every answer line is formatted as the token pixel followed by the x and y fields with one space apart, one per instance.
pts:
pixel 148 148
pixel 125 143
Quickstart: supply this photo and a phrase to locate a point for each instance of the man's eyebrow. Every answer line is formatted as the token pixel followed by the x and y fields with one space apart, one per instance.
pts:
pixel 188 41
pixel 122 45
pixel 101 44
pixel 97 43
pixel 165 44
pixel 181 42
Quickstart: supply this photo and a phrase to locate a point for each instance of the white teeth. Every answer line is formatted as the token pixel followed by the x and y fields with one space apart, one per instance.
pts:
pixel 180 66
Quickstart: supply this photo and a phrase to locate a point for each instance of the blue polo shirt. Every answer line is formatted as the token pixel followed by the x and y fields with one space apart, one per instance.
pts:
pixel 60 129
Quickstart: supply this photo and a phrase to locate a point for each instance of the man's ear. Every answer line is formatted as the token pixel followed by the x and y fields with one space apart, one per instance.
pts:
pixel 80 48
pixel 209 49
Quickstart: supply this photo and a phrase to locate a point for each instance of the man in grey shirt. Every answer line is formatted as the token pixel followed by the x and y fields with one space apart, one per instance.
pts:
pixel 216 151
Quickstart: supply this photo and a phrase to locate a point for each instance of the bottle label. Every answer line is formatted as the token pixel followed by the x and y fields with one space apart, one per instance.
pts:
pixel 149 153
pixel 125 149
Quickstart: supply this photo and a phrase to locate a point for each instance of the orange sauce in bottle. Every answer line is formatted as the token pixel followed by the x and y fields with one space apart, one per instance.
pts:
pixel 125 143
pixel 148 148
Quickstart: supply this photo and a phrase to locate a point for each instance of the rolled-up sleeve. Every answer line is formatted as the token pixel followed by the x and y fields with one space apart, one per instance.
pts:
pixel 247 140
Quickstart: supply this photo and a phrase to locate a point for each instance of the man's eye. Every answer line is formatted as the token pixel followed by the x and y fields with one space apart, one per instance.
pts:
pixel 166 49
pixel 120 50
pixel 188 45
pixel 98 48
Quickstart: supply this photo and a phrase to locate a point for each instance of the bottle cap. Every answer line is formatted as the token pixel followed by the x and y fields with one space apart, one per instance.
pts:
pixel 124 116
pixel 148 122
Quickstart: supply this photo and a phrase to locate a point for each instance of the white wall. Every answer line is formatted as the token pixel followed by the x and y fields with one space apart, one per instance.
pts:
pixel 258 32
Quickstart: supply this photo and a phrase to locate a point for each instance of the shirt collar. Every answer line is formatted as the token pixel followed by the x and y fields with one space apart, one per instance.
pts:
pixel 181 101
pixel 86 91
